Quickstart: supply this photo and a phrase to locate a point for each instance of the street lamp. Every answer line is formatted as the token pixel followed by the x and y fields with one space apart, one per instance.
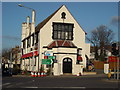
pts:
pixel 33 12
pixel 20 5
pixel 32 24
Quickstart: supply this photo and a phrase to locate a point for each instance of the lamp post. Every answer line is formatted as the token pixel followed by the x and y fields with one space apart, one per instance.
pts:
pixel 32 24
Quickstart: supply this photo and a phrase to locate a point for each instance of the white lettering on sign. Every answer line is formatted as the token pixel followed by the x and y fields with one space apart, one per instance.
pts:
pixel 48 53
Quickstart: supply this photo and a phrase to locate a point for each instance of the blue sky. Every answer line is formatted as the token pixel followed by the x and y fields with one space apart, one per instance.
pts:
pixel 88 14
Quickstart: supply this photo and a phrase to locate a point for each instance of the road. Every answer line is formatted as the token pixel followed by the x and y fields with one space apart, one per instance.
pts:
pixel 88 81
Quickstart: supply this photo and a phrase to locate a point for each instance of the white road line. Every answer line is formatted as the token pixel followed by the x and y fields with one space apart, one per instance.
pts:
pixel 58 87
pixel 30 87
pixel 5 84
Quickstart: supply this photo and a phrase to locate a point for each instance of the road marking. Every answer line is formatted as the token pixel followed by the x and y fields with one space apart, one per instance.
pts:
pixel 30 87
pixel 61 87
pixel 57 87
pixel 5 84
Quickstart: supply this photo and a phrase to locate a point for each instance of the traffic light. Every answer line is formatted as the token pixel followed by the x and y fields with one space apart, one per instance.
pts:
pixel 115 49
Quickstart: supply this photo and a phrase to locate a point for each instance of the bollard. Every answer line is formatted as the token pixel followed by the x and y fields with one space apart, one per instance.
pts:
pixel 35 74
pixel 109 74
pixel 39 74
pixel 42 74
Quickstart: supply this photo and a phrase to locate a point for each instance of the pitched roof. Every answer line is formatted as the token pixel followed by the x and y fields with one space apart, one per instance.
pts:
pixel 40 25
pixel 61 43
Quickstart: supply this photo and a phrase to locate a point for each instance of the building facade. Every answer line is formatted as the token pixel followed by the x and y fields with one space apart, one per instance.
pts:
pixel 58 38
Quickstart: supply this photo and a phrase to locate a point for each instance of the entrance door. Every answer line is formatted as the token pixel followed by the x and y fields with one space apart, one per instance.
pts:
pixel 67 65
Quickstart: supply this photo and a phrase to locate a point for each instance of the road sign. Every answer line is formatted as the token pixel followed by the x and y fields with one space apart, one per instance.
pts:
pixel 48 53
pixel 51 57
pixel 106 68
pixel 47 61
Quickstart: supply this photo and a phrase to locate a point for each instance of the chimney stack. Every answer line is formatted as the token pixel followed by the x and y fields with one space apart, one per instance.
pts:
pixel 28 21
pixel 33 22
pixel 24 26
pixel 28 26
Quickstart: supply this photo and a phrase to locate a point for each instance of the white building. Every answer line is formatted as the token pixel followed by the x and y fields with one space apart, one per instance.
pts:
pixel 59 35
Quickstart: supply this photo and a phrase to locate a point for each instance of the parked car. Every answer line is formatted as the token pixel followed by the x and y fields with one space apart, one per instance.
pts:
pixel 6 72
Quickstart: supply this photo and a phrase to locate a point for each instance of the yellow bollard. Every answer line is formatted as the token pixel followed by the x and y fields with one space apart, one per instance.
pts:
pixel 109 74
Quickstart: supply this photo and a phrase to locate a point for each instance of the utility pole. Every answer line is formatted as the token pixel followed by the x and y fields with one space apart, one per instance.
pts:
pixel 118 62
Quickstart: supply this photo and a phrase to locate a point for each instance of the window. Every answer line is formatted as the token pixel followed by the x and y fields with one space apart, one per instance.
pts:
pixel 28 42
pixel 24 44
pixel 63 15
pixel 35 61
pixel 79 51
pixel 32 39
pixel 36 37
pixel 62 31
pixel 22 52
pixel 79 57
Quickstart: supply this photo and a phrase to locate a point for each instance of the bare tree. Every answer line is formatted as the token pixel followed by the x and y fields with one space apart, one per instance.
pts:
pixel 6 55
pixel 101 38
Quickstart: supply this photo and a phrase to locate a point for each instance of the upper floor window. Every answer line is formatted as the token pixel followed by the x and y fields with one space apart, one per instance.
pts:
pixel 36 37
pixel 28 42
pixel 63 31
pixel 33 40
pixel 24 43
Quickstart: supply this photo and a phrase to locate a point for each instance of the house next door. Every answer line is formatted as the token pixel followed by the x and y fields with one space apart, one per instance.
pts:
pixel 67 65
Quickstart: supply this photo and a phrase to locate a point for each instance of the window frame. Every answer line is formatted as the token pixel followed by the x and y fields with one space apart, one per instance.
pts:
pixel 62 31
pixel 24 44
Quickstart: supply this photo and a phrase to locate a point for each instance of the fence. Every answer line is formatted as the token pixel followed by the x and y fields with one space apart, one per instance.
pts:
pixel 100 65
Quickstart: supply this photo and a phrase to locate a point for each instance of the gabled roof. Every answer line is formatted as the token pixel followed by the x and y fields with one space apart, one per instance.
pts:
pixel 61 43
pixel 40 25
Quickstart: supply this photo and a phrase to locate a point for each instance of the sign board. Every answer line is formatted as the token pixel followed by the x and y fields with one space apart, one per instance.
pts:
pixel 106 68
pixel 112 59
pixel 51 57
pixel 47 61
pixel 48 53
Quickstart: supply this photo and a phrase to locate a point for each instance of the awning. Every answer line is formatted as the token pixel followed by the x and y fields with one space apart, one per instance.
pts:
pixel 30 54
pixel 36 53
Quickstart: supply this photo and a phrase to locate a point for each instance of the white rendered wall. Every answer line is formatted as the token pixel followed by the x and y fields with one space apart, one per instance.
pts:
pixel 79 34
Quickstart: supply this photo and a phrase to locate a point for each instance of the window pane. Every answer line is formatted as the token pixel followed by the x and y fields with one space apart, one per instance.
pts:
pixel 66 27
pixel 55 34
pixel 62 35
pixel 59 27
pixel 66 35
pixel 70 28
pixel 59 34
pixel 32 40
pixel 55 27
pixel 70 35
pixel 24 44
pixel 62 27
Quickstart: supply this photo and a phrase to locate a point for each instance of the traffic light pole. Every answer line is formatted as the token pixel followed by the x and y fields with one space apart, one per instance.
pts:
pixel 116 52
pixel 118 68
